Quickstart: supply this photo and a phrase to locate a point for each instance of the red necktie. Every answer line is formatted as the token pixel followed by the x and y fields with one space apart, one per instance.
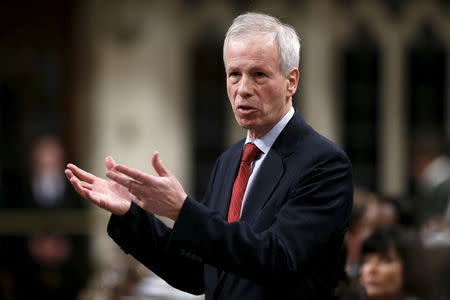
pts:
pixel 240 184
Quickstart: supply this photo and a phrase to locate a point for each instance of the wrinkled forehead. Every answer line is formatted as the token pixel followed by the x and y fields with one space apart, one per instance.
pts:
pixel 263 42
pixel 251 54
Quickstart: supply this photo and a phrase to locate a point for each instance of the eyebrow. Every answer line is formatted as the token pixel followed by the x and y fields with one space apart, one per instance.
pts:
pixel 260 68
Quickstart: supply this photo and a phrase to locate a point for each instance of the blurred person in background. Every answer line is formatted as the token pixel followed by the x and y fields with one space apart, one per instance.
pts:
pixel 370 212
pixel 392 263
pixel 51 264
pixel 432 206
pixel 431 174
pixel 47 188
pixel 379 213
pixel 285 240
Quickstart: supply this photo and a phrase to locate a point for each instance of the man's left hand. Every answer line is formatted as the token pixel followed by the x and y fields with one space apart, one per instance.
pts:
pixel 162 195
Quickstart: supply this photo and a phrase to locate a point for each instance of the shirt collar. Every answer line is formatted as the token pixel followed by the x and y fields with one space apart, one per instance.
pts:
pixel 265 142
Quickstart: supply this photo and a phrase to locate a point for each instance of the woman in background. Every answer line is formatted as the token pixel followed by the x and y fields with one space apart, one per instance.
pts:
pixel 389 268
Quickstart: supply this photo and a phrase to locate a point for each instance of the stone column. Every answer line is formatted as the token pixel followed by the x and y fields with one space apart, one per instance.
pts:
pixel 318 103
pixel 447 119
pixel 137 102
pixel 392 139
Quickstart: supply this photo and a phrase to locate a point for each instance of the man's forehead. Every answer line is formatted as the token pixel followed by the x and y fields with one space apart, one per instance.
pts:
pixel 249 64
pixel 256 48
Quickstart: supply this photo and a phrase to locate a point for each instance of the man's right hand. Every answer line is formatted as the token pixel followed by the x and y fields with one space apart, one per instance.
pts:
pixel 106 194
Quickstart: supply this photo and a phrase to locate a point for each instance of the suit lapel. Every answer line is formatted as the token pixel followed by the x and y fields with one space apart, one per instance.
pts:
pixel 266 180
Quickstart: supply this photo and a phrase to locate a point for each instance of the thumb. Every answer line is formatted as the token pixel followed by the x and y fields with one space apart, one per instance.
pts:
pixel 157 165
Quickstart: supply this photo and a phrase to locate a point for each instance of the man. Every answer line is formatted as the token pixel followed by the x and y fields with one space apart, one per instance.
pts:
pixel 274 234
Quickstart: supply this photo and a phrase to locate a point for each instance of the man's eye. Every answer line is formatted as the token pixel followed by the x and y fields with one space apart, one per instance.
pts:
pixel 233 74
pixel 260 74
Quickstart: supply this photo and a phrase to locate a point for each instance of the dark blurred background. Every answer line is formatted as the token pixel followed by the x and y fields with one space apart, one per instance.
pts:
pixel 80 80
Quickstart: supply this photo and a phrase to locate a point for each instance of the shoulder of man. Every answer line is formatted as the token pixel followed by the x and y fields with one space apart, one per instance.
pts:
pixel 238 146
pixel 302 139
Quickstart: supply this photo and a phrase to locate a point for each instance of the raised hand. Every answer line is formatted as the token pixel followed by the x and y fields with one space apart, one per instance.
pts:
pixel 106 194
pixel 162 195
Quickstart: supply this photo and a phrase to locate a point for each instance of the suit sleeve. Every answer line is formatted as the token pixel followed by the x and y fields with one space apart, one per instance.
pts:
pixel 145 237
pixel 308 228
pixel 142 235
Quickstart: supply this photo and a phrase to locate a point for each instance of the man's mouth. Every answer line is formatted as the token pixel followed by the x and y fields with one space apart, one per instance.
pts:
pixel 245 108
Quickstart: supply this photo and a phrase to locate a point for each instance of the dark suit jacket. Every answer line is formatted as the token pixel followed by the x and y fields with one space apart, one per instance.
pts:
pixel 288 244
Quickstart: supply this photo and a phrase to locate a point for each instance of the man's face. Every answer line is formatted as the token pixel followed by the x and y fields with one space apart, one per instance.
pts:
pixel 259 93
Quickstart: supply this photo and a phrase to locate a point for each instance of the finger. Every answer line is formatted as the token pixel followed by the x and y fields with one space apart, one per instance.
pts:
pixel 83 175
pixel 132 189
pixel 121 179
pixel 68 173
pixel 83 184
pixel 158 166
pixel 86 185
pixel 136 189
pixel 109 162
pixel 76 183
pixel 133 173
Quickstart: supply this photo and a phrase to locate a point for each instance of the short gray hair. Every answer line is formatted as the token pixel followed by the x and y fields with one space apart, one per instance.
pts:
pixel 288 41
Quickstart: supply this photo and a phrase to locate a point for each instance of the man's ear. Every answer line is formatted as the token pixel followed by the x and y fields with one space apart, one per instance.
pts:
pixel 292 80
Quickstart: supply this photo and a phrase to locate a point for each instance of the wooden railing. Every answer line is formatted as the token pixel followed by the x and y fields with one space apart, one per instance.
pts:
pixel 24 222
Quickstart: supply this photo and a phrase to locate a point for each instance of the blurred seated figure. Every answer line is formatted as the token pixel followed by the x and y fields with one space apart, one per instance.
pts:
pixel 380 213
pixel 52 264
pixel 47 187
pixel 390 267
pixel 438 234
pixel 55 267
pixel 431 174
pixel 370 213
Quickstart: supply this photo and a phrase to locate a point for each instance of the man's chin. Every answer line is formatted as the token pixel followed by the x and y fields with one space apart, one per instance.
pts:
pixel 246 125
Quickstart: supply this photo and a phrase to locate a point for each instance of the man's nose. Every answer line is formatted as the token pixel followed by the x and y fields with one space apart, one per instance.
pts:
pixel 244 88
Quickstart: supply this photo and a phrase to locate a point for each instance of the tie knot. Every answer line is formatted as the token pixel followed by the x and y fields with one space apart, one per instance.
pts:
pixel 250 153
